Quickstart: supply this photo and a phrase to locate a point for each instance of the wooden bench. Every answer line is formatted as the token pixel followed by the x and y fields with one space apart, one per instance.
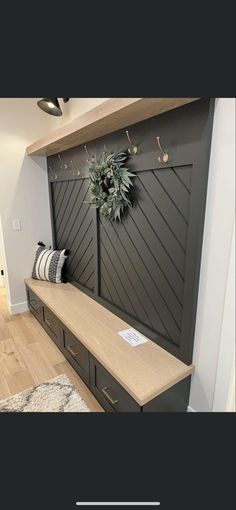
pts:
pixel 123 378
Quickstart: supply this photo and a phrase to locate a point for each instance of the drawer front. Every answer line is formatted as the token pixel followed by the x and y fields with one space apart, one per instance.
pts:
pixel 112 396
pixel 76 354
pixel 35 304
pixel 51 324
pixel 175 399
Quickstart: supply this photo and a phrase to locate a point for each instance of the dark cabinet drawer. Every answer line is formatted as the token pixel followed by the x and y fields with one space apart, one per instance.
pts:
pixel 35 304
pixel 76 354
pixel 112 396
pixel 51 324
pixel 175 399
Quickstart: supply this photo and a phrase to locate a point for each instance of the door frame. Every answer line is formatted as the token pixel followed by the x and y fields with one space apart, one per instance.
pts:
pixel 3 256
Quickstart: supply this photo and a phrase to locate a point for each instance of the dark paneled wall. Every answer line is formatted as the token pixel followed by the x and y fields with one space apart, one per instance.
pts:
pixel 143 257
pixel 73 224
pixel 146 267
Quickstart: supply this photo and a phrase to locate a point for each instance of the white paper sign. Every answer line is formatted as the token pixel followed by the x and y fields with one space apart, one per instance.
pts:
pixel 132 337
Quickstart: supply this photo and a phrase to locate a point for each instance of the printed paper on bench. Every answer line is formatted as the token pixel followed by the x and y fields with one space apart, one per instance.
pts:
pixel 133 337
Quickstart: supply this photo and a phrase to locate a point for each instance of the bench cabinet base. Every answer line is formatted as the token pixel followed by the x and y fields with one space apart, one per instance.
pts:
pixel 107 390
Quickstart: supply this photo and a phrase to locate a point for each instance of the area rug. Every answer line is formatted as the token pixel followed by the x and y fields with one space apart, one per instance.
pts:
pixel 57 395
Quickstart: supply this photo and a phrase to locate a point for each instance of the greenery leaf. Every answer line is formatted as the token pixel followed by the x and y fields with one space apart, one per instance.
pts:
pixel 110 185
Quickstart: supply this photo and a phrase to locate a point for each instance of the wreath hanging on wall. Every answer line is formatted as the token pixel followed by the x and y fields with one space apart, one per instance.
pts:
pixel 110 185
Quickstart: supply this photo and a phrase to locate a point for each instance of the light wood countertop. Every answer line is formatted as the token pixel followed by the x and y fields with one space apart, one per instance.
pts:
pixel 144 371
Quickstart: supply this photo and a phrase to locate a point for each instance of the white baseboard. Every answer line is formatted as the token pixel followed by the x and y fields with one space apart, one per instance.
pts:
pixel 190 410
pixel 18 308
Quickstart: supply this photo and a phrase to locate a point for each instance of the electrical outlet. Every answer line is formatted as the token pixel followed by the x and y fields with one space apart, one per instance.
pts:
pixel 16 225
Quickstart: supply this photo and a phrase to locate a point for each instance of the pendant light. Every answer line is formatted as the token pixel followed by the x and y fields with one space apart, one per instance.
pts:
pixel 51 105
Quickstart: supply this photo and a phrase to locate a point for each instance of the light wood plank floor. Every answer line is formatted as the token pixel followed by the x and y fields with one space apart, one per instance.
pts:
pixel 29 357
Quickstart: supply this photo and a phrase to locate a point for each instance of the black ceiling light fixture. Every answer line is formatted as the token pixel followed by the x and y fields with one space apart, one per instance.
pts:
pixel 51 105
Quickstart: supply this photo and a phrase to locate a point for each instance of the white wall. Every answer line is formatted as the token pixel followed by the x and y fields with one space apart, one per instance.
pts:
pixel 23 192
pixel 23 184
pixel 2 265
pixel 3 255
pixel 219 221
pixel 77 106
pixel 224 396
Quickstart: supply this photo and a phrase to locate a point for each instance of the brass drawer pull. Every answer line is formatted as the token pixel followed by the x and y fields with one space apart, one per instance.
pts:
pixel 104 391
pixel 71 351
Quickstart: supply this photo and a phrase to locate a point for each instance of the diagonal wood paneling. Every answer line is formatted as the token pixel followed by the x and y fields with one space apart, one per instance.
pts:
pixel 166 236
pixel 146 268
pixel 143 257
pixel 73 229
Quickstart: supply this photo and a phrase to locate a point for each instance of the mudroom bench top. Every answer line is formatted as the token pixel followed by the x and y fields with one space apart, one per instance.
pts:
pixel 144 371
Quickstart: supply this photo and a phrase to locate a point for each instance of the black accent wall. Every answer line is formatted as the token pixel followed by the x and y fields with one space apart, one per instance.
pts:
pixel 146 267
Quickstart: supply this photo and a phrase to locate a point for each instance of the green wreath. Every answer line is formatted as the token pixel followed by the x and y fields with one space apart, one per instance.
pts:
pixel 110 185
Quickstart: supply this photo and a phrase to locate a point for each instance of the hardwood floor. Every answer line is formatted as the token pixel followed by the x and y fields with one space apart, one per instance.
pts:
pixel 29 357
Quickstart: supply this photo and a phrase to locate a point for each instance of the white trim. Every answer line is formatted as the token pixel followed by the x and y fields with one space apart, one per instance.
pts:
pixel 219 219
pixel 18 307
pixel 230 407
pixel 2 248
pixel 226 355
pixel 190 410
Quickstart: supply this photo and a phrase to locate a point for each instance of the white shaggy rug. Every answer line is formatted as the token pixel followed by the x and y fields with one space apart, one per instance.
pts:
pixel 57 396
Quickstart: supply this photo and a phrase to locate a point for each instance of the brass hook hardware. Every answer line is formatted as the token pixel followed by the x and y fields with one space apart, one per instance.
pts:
pixel 75 172
pixel 165 156
pixel 62 166
pixel 104 149
pixel 134 148
pixel 52 173
pixel 89 155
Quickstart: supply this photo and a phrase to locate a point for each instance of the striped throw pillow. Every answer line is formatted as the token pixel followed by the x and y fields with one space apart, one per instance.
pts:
pixel 48 264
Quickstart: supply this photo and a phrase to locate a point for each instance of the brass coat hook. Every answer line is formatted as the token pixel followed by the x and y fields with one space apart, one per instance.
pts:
pixel 63 166
pixel 91 157
pixel 165 155
pixel 52 173
pixel 134 148
pixel 74 172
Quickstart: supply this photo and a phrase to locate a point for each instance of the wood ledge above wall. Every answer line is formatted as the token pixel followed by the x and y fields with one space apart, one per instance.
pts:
pixel 110 116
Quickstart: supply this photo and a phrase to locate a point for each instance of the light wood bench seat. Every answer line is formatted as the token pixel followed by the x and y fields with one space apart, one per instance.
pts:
pixel 144 371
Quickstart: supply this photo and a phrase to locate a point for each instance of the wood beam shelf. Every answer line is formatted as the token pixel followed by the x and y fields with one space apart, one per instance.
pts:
pixel 110 116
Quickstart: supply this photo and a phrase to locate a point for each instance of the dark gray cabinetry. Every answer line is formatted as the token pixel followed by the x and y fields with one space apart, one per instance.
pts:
pixel 107 390
pixel 111 395
pixel 76 353
pixel 34 304
pixel 51 324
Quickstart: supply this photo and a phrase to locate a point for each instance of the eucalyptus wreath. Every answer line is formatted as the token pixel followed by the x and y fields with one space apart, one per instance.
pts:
pixel 110 185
